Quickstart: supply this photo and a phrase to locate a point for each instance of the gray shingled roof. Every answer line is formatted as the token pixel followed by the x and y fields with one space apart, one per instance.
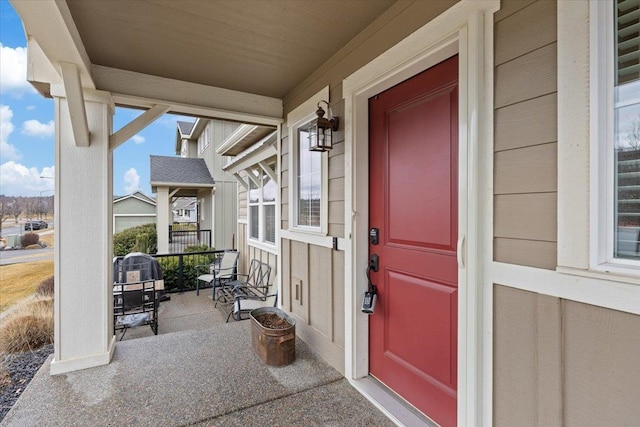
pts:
pixel 179 170
pixel 185 127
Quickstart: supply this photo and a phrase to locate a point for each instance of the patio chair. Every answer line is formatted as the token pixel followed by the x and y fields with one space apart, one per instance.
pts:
pixel 221 271
pixel 249 291
pixel 135 304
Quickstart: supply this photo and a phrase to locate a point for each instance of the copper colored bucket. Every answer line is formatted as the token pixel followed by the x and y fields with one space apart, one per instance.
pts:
pixel 276 347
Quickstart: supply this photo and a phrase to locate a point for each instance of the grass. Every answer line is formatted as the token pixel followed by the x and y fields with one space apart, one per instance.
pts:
pixel 18 281
pixel 29 326
pixel 48 239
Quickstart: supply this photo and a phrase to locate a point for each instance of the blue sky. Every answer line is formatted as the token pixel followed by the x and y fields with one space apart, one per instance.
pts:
pixel 27 128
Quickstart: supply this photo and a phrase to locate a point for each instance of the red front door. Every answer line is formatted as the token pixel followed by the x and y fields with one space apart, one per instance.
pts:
pixel 413 193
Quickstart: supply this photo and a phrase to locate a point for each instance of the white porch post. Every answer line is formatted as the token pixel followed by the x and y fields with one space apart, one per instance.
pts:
pixel 163 208
pixel 83 245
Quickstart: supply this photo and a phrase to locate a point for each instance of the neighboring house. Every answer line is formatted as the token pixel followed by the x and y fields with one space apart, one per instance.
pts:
pixel 172 178
pixel 185 209
pixel 132 210
pixel 217 209
pixel 477 157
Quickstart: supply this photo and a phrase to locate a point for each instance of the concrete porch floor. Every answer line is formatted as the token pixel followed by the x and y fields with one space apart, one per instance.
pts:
pixel 204 377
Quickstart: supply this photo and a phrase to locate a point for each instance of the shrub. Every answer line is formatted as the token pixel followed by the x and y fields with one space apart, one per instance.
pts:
pixel 198 248
pixel 29 239
pixel 142 243
pixel 45 288
pixel 28 327
pixel 171 270
pixel 124 242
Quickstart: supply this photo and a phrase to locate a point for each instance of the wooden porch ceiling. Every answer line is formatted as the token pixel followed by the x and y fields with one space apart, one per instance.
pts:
pixel 253 46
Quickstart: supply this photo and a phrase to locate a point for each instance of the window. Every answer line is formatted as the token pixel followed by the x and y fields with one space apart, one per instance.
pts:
pixel 308 174
pixel 626 129
pixel 203 141
pixel 309 185
pixel 262 207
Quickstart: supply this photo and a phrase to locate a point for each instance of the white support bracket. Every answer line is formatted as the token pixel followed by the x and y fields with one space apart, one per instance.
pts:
pixel 265 167
pixel 75 101
pixel 173 193
pixel 137 125
pixel 252 177
pixel 241 181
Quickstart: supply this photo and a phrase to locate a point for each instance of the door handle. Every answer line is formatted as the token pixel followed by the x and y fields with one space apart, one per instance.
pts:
pixel 459 253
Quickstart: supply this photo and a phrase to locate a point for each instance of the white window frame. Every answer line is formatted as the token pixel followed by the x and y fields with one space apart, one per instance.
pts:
pixel 261 242
pixel 296 119
pixel 585 148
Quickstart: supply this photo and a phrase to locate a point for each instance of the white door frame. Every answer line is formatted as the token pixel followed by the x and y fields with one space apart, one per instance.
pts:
pixel 465 29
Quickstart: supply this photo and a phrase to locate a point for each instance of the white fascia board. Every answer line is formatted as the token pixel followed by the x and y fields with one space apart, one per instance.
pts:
pixel 133 196
pixel 253 155
pixel 40 71
pixel 50 24
pixel 238 135
pixel 131 88
pixel 180 184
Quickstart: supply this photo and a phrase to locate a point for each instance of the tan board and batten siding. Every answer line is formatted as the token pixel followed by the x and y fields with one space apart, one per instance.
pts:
pixel 556 362
pixel 313 276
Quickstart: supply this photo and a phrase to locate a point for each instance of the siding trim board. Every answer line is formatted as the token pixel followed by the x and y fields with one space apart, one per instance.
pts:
pixel 467 29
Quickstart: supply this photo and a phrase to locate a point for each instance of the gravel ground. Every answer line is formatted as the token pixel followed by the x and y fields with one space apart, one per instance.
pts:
pixel 21 367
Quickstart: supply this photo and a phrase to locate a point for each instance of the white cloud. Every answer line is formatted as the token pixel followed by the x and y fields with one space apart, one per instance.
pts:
pixel 138 139
pixel 19 180
pixel 132 180
pixel 35 128
pixel 13 73
pixel 7 151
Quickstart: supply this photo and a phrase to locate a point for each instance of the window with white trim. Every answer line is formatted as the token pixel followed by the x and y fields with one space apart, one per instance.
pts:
pixel 262 207
pixel 309 182
pixel 308 172
pixel 626 129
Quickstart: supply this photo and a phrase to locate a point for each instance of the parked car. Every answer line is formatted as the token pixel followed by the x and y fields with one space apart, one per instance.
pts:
pixel 35 225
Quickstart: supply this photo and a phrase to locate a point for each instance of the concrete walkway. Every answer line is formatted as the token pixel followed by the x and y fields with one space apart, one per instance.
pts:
pixel 207 377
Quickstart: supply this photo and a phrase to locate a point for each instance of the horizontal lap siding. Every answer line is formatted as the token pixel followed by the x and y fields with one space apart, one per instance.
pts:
pixel 525 158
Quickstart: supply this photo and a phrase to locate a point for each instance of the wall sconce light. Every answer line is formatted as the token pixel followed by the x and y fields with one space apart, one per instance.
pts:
pixel 321 130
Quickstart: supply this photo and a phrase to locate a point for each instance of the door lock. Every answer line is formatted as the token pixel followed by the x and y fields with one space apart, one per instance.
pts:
pixel 373 262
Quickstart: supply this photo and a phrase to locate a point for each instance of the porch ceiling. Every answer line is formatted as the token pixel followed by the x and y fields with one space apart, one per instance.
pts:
pixel 253 46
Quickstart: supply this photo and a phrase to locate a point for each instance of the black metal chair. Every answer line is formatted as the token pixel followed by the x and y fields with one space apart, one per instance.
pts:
pixel 248 291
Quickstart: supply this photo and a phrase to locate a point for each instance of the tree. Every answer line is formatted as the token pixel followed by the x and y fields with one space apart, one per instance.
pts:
pixel 15 208
pixel 4 212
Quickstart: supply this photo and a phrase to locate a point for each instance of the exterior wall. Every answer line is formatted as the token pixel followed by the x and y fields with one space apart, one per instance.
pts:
pixel 556 362
pixel 525 159
pixel 559 362
pixel 123 222
pixel 133 206
pixel 220 209
pixel 315 272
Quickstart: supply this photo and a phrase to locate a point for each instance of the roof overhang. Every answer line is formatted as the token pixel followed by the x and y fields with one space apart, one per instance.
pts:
pixel 244 137
pixel 252 156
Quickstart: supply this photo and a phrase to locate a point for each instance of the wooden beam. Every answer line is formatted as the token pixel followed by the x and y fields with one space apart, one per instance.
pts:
pixel 252 177
pixel 174 192
pixel 241 181
pixel 265 167
pixel 130 88
pixel 51 25
pixel 136 125
pixel 75 101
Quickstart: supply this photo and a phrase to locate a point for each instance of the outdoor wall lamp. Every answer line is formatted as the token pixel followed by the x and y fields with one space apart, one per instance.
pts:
pixel 321 130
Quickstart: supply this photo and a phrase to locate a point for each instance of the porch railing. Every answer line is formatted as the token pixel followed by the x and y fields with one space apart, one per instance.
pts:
pixel 179 269
pixel 181 236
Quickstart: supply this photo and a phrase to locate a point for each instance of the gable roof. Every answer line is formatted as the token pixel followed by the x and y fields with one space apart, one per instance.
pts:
pixel 191 172
pixel 185 128
pixel 136 195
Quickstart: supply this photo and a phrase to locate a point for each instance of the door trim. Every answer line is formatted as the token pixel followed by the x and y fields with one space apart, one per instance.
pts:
pixel 466 29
